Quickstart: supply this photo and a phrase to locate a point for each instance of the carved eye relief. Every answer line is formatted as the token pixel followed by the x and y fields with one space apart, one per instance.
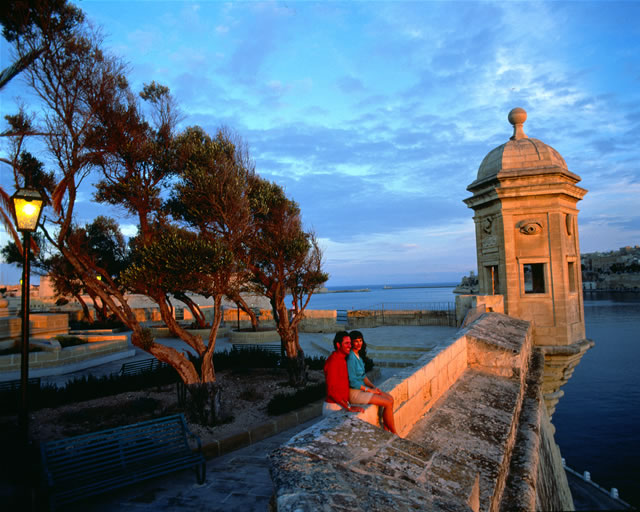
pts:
pixel 529 227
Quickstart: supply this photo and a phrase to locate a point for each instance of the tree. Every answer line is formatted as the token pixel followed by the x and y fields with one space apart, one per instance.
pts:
pixel 94 123
pixel 283 258
pixel 37 21
pixel 220 195
pixel 200 240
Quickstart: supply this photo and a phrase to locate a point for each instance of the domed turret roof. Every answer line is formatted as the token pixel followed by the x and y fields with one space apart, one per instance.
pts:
pixel 520 153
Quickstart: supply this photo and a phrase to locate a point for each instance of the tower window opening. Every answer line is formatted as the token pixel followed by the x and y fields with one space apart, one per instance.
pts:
pixel 571 270
pixel 492 278
pixel 533 278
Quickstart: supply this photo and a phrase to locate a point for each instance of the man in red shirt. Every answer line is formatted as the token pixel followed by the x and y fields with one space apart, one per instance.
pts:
pixel 337 377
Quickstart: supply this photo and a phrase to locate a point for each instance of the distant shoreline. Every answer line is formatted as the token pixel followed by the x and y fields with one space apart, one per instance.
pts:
pixel 324 290
pixel 402 287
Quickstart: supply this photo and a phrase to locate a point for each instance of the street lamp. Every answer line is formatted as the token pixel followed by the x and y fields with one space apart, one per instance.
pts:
pixel 27 206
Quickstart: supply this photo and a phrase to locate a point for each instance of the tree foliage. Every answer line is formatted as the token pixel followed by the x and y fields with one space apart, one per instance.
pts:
pixel 207 224
pixel 283 258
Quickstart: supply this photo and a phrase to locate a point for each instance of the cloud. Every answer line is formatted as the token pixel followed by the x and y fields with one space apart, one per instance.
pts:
pixel 350 84
pixel 129 230
pixel 376 120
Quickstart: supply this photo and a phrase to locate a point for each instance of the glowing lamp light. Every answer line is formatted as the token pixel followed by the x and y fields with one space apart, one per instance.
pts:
pixel 27 203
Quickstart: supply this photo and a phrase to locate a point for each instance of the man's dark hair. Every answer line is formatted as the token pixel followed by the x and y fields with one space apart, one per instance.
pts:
pixel 337 340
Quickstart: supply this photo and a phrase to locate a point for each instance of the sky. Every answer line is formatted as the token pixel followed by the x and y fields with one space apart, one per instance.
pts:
pixel 374 116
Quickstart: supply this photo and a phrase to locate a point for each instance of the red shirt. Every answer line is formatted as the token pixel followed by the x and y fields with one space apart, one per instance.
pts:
pixel 337 378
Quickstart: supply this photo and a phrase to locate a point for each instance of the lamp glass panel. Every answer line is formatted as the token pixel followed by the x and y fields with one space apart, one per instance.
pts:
pixel 27 213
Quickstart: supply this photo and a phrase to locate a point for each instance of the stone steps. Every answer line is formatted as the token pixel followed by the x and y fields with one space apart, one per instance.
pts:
pixel 384 355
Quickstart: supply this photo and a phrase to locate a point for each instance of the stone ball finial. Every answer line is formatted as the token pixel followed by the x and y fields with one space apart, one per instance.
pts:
pixel 517 117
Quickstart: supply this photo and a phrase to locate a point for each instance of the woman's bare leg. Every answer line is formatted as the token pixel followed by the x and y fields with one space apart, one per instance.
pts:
pixel 386 402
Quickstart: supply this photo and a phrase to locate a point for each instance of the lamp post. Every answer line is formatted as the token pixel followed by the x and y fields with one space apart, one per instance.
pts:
pixel 27 205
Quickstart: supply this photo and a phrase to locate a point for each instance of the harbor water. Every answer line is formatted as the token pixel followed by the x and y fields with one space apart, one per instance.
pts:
pixel 598 419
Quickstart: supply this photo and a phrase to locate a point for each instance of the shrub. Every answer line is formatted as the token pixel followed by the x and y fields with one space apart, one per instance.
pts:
pixel 315 362
pixel 81 325
pixel 284 402
pixel 70 341
pixel 245 359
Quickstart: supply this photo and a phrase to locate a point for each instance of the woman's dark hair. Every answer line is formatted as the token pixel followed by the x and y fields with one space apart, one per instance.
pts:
pixel 337 339
pixel 354 335
pixel 357 335
pixel 368 362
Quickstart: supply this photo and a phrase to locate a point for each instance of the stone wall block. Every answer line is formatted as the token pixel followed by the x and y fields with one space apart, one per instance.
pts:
pixel 396 387
pixel 415 382
pixel 41 357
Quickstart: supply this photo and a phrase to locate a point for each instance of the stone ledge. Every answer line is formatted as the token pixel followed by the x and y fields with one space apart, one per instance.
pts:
pixel 251 338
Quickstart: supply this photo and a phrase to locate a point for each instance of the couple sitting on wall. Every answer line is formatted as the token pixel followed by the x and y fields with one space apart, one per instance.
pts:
pixel 347 384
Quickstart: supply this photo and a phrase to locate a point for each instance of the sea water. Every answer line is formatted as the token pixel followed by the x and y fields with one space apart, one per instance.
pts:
pixel 598 419
pixel 377 296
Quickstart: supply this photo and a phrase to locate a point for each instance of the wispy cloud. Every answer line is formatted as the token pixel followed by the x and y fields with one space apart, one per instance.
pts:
pixel 376 116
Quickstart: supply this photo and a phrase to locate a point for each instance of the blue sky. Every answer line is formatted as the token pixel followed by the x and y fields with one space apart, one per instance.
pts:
pixel 374 116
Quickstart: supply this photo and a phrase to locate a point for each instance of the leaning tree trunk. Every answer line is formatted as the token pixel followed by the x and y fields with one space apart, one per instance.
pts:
pixel 85 309
pixel 296 367
pixel 197 313
pixel 242 304
pixel 205 404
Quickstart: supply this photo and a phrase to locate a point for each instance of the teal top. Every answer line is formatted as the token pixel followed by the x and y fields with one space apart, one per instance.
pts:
pixel 355 365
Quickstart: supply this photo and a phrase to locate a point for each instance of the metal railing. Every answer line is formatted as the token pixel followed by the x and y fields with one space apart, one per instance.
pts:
pixel 404 313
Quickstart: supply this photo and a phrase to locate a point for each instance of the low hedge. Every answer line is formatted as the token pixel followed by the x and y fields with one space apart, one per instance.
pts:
pixel 284 402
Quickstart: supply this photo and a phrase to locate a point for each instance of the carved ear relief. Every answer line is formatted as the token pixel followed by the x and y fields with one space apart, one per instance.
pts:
pixel 569 223
pixel 487 225
pixel 529 227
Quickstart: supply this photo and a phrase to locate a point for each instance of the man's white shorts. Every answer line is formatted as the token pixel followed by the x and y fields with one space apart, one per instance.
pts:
pixel 329 408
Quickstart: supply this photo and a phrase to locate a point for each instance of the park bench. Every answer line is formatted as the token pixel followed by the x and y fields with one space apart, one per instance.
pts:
pixel 141 366
pixel 14 385
pixel 85 465
pixel 269 347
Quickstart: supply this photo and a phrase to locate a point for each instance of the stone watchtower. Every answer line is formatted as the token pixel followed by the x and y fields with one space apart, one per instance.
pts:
pixel 524 200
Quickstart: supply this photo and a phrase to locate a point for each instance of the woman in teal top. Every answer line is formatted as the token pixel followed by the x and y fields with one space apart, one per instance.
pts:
pixel 361 389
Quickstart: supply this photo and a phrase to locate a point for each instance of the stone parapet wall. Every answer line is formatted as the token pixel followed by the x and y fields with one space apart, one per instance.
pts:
pixel 471 307
pixel 319 320
pixel 69 355
pixel 362 319
pixel 41 325
pixel 476 437
pixel 416 388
